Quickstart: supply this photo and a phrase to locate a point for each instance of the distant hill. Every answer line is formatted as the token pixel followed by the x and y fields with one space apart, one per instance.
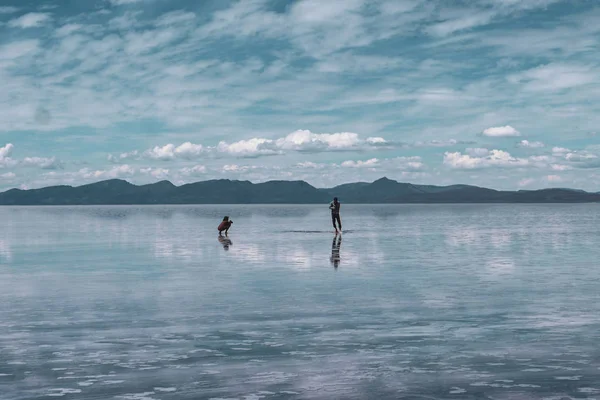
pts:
pixel 224 191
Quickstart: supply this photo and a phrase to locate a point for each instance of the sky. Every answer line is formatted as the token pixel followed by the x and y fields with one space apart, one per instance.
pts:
pixel 497 93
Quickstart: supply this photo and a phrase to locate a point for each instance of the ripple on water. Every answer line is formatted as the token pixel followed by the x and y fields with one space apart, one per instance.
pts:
pixel 165 389
pixel 138 396
pixel 59 392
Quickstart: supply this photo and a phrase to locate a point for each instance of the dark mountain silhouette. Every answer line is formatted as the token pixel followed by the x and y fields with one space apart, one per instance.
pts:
pixel 226 191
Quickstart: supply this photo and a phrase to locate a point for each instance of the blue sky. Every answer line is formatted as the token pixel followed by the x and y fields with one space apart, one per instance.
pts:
pixel 497 93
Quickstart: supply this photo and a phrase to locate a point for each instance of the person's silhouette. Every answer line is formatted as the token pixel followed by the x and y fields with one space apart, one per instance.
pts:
pixel 335 251
pixel 225 241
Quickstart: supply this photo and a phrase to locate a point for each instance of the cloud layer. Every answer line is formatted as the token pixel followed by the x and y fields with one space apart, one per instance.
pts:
pixel 148 90
pixel 302 141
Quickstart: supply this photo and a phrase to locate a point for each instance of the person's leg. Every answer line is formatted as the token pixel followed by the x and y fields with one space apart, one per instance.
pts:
pixel 333 221
pixel 339 221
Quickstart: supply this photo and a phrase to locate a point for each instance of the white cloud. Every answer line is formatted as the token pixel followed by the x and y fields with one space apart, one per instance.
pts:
pixel 315 27
pixel 6 150
pixel 376 140
pixel 350 62
pixel 437 143
pixel 553 178
pixel 305 140
pixel 300 141
pixel 189 150
pixel 166 152
pixel 169 151
pixel 30 20
pixel 42 162
pixel 68 29
pixel 526 182
pixel 413 163
pixel 555 77
pixel 389 164
pixel 530 145
pixel 311 165
pixel 560 167
pixel 231 167
pixel 519 4
pixel 123 156
pixel 501 131
pixel 123 2
pixel 158 173
pixel 5 153
pixel 248 148
pixel 237 168
pixel 125 21
pixel 193 171
pixel 477 151
pixel 580 156
pixel 560 150
pixel 115 172
pixel 495 158
pixel 583 159
pixel 15 50
pixel 464 22
pixel 360 164
pixel 8 10
pixel 175 18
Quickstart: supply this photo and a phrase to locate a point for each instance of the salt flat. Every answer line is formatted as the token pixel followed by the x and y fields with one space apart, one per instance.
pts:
pixel 448 301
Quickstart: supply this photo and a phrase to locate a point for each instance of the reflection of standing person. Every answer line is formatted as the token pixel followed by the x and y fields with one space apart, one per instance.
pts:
pixel 334 206
pixel 335 251
pixel 225 225
pixel 225 241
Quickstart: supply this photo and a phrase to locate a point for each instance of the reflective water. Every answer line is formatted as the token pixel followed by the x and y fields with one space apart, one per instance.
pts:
pixel 462 301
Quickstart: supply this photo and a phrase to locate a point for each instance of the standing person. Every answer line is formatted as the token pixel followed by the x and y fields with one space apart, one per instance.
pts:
pixel 224 225
pixel 334 206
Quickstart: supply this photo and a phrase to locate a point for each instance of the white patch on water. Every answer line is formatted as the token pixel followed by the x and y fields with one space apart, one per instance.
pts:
pixel 59 392
pixel 137 396
pixel 457 390
pixel 589 390
pixel 253 397
pixel 223 398
pixel 165 390
pixel 568 378
pixel 210 372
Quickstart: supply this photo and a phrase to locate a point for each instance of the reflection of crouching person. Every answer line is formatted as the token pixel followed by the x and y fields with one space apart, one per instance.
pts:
pixel 225 225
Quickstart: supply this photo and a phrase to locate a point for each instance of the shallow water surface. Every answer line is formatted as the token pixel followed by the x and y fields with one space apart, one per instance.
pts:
pixel 449 301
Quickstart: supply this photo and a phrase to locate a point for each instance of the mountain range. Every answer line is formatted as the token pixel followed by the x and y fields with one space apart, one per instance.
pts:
pixel 224 191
